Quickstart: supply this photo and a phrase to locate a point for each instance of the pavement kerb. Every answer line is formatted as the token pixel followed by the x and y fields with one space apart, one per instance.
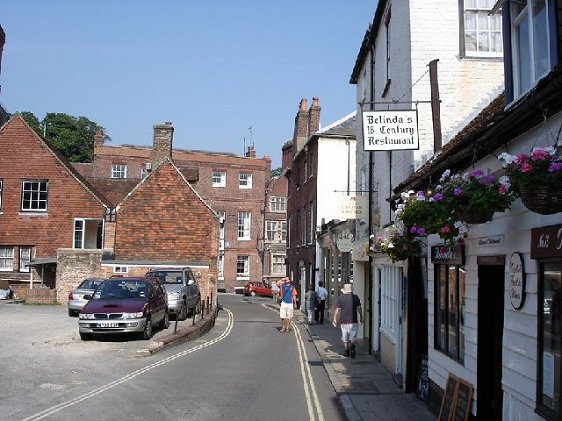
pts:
pixel 185 334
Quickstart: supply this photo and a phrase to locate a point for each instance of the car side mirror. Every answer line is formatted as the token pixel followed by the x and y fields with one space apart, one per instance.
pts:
pixel 88 297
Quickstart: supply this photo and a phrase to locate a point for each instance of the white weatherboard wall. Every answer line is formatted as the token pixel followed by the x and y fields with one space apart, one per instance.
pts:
pixel 519 375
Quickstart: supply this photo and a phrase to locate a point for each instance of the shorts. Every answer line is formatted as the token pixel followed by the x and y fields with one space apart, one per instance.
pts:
pixel 348 332
pixel 286 310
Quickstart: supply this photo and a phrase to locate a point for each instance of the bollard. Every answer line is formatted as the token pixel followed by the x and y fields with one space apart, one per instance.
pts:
pixel 202 309
pixel 208 304
pixel 193 315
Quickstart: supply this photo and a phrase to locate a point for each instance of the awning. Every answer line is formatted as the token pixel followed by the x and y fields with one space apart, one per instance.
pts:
pixel 42 261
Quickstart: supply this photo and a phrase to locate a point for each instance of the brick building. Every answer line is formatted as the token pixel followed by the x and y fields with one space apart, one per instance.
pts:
pixel 233 186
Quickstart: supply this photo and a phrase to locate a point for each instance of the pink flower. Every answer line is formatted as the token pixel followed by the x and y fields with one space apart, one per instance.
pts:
pixel 525 167
pixel 445 230
pixel 539 155
pixel 502 189
pixel 521 158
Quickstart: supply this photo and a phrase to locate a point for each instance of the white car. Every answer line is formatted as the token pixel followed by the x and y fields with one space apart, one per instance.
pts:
pixel 5 290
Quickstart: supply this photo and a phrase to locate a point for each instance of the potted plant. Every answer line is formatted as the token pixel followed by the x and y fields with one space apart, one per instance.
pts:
pixel 427 212
pixel 537 178
pixel 475 196
pixel 396 247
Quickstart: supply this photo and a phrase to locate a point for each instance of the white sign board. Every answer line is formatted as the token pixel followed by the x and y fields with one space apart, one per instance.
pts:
pixel 353 207
pixel 390 130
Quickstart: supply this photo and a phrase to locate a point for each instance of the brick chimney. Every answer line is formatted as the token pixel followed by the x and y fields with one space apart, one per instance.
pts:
pixel 314 117
pixel 162 143
pixel 300 135
pixel 251 152
pixel 98 139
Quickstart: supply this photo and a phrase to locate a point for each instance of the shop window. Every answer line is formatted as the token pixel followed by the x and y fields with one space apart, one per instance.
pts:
pixel 550 340
pixel 449 310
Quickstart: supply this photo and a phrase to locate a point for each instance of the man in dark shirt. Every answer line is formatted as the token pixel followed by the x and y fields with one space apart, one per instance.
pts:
pixel 347 308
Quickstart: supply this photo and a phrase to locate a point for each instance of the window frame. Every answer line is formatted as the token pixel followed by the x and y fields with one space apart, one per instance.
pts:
pixel 244 225
pixel 476 10
pixel 244 260
pixel 28 255
pixel 1 189
pixel 35 192
pixel 8 258
pixel 219 179
pixel 271 230
pixel 278 204
pixel 118 171
pixel 278 263
pixel 245 180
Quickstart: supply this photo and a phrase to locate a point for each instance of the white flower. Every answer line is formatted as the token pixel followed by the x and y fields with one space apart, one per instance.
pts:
pixel 463 229
pixel 445 176
pixel 507 159
pixel 504 181
pixel 372 236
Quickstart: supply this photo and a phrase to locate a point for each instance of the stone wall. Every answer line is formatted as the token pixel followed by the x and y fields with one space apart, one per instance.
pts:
pixel 74 265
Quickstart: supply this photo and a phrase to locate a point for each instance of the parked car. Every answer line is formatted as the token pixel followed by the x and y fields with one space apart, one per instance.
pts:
pixel 180 284
pixel 258 288
pixel 124 305
pixel 76 301
pixel 5 290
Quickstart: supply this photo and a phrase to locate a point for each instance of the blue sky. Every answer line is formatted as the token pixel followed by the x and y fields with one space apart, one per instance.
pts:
pixel 214 69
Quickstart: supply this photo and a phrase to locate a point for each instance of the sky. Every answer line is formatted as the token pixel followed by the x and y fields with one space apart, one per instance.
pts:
pixel 226 73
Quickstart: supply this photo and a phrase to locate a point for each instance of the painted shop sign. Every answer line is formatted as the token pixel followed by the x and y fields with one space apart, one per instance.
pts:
pixel 546 242
pixel 390 130
pixel 495 240
pixel 447 255
pixel 516 281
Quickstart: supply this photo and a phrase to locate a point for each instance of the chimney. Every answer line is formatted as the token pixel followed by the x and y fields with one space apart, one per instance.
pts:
pixel 314 117
pixel 251 153
pixel 301 127
pixel 162 143
pixel 98 139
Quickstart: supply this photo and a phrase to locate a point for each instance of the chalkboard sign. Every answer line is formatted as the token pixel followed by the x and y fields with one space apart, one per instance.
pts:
pixel 457 399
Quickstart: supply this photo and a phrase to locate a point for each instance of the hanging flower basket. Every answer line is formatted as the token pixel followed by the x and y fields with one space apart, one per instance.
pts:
pixel 397 247
pixel 546 200
pixel 475 216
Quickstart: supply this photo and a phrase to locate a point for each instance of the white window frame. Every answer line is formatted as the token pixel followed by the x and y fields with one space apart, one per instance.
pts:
pixel 278 204
pixel 219 179
pixel 26 252
pixel 391 281
pixel 271 230
pixel 312 228
pixel 220 265
pixel 245 180
pixel 120 269
pixel 284 231
pixel 244 261
pixel 525 17
pixel 475 8
pixel 244 224
pixel 118 171
pixel 222 217
pixel 278 263
pixel 6 258
pixel 34 192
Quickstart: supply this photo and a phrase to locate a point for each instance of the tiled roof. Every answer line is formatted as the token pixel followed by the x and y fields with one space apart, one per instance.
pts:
pixel 115 189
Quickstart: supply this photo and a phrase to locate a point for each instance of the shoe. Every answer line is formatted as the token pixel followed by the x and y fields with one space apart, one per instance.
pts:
pixel 352 352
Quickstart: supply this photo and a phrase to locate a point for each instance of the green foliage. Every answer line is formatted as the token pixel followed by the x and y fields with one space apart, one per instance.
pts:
pixel 397 247
pixel 276 172
pixel 72 136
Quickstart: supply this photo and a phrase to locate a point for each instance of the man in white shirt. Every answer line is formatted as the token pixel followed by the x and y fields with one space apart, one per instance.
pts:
pixel 322 295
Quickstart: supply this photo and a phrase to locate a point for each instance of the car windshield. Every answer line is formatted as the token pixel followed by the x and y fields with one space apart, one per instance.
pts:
pixel 89 284
pixel 121 289
pixel 167 277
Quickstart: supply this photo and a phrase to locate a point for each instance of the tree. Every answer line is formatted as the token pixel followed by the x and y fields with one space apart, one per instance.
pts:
pixel 276 172
pixel 72 136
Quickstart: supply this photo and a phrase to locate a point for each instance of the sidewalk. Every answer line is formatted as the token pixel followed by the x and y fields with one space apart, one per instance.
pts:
pixel 364 387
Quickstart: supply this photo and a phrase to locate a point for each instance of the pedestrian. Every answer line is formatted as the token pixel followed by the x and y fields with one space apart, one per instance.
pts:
pixel 310 302
pixel 275 290
pixel 322 295
pixel 288 303
pixel 347 308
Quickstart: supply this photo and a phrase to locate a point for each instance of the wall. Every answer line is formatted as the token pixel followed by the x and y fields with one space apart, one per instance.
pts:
pixel 73 266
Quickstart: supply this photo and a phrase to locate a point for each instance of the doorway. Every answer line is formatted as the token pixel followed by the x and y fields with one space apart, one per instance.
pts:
pixel 491 291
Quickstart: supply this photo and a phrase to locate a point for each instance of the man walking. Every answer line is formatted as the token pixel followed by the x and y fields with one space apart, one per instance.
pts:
pixel 288 303
pixel 322 295
pixel 275 290
pixel 348 306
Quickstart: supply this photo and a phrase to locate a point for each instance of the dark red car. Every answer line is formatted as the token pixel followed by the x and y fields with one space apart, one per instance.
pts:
pixel 258 288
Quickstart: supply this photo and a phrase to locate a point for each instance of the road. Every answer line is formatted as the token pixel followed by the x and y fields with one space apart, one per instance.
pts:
pixel 244 369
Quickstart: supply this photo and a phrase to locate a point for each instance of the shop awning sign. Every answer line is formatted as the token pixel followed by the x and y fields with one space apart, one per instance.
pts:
pixel 390 130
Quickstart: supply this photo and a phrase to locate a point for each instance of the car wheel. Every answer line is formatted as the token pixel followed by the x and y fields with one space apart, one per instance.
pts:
pixel 183 313
pixel 85 336
pixel 165 323
pixel 147 332
pixel 72 313
pixel 198 306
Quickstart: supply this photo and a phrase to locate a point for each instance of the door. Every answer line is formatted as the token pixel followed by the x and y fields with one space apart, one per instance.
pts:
pixel 491 291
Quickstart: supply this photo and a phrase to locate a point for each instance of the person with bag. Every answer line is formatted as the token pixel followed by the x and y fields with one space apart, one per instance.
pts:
pixel 310 302
pixel 288 303
pixel 348 306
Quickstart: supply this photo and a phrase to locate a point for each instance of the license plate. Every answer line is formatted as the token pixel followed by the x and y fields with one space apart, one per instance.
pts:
pixel 108 324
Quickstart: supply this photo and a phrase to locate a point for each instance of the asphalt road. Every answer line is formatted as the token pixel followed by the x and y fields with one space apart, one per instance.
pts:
pixel 244 369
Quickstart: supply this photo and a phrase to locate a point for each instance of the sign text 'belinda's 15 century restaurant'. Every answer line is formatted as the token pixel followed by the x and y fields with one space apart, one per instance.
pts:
pixel 390 130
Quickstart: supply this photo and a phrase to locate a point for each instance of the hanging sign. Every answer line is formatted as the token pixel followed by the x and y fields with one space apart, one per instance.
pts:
pixel 516 281
pixel 546 242
pixel 390 130
pixel 352 207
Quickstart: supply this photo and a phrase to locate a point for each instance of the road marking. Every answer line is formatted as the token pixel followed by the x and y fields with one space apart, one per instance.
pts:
pixel 312 402
pixel 124 379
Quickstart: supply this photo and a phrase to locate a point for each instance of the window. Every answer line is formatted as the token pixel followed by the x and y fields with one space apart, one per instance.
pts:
pixel 243 266
pixel 243 225
pixel 118 171
pixel 288 238
pixel 222 217
pixel 219 179
pixel 449 310
pixel 312 229
pixel 270 230
pixel 0 195
pixel 550 339
pixel 305 171
pixel 278 264
pixel 310 164
pixel 531 38
pixel 387 52
pixel 482 31
pixel 245 180
pixel 278 204
pixel 6 258
pixel 34 196
pixel 390 281
pixel 284 231
pixel 220 265
pixel 88 234
pixel 25 258
pixel 120 269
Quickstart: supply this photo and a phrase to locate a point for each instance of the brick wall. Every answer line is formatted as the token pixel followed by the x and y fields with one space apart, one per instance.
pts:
pixel 73 267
